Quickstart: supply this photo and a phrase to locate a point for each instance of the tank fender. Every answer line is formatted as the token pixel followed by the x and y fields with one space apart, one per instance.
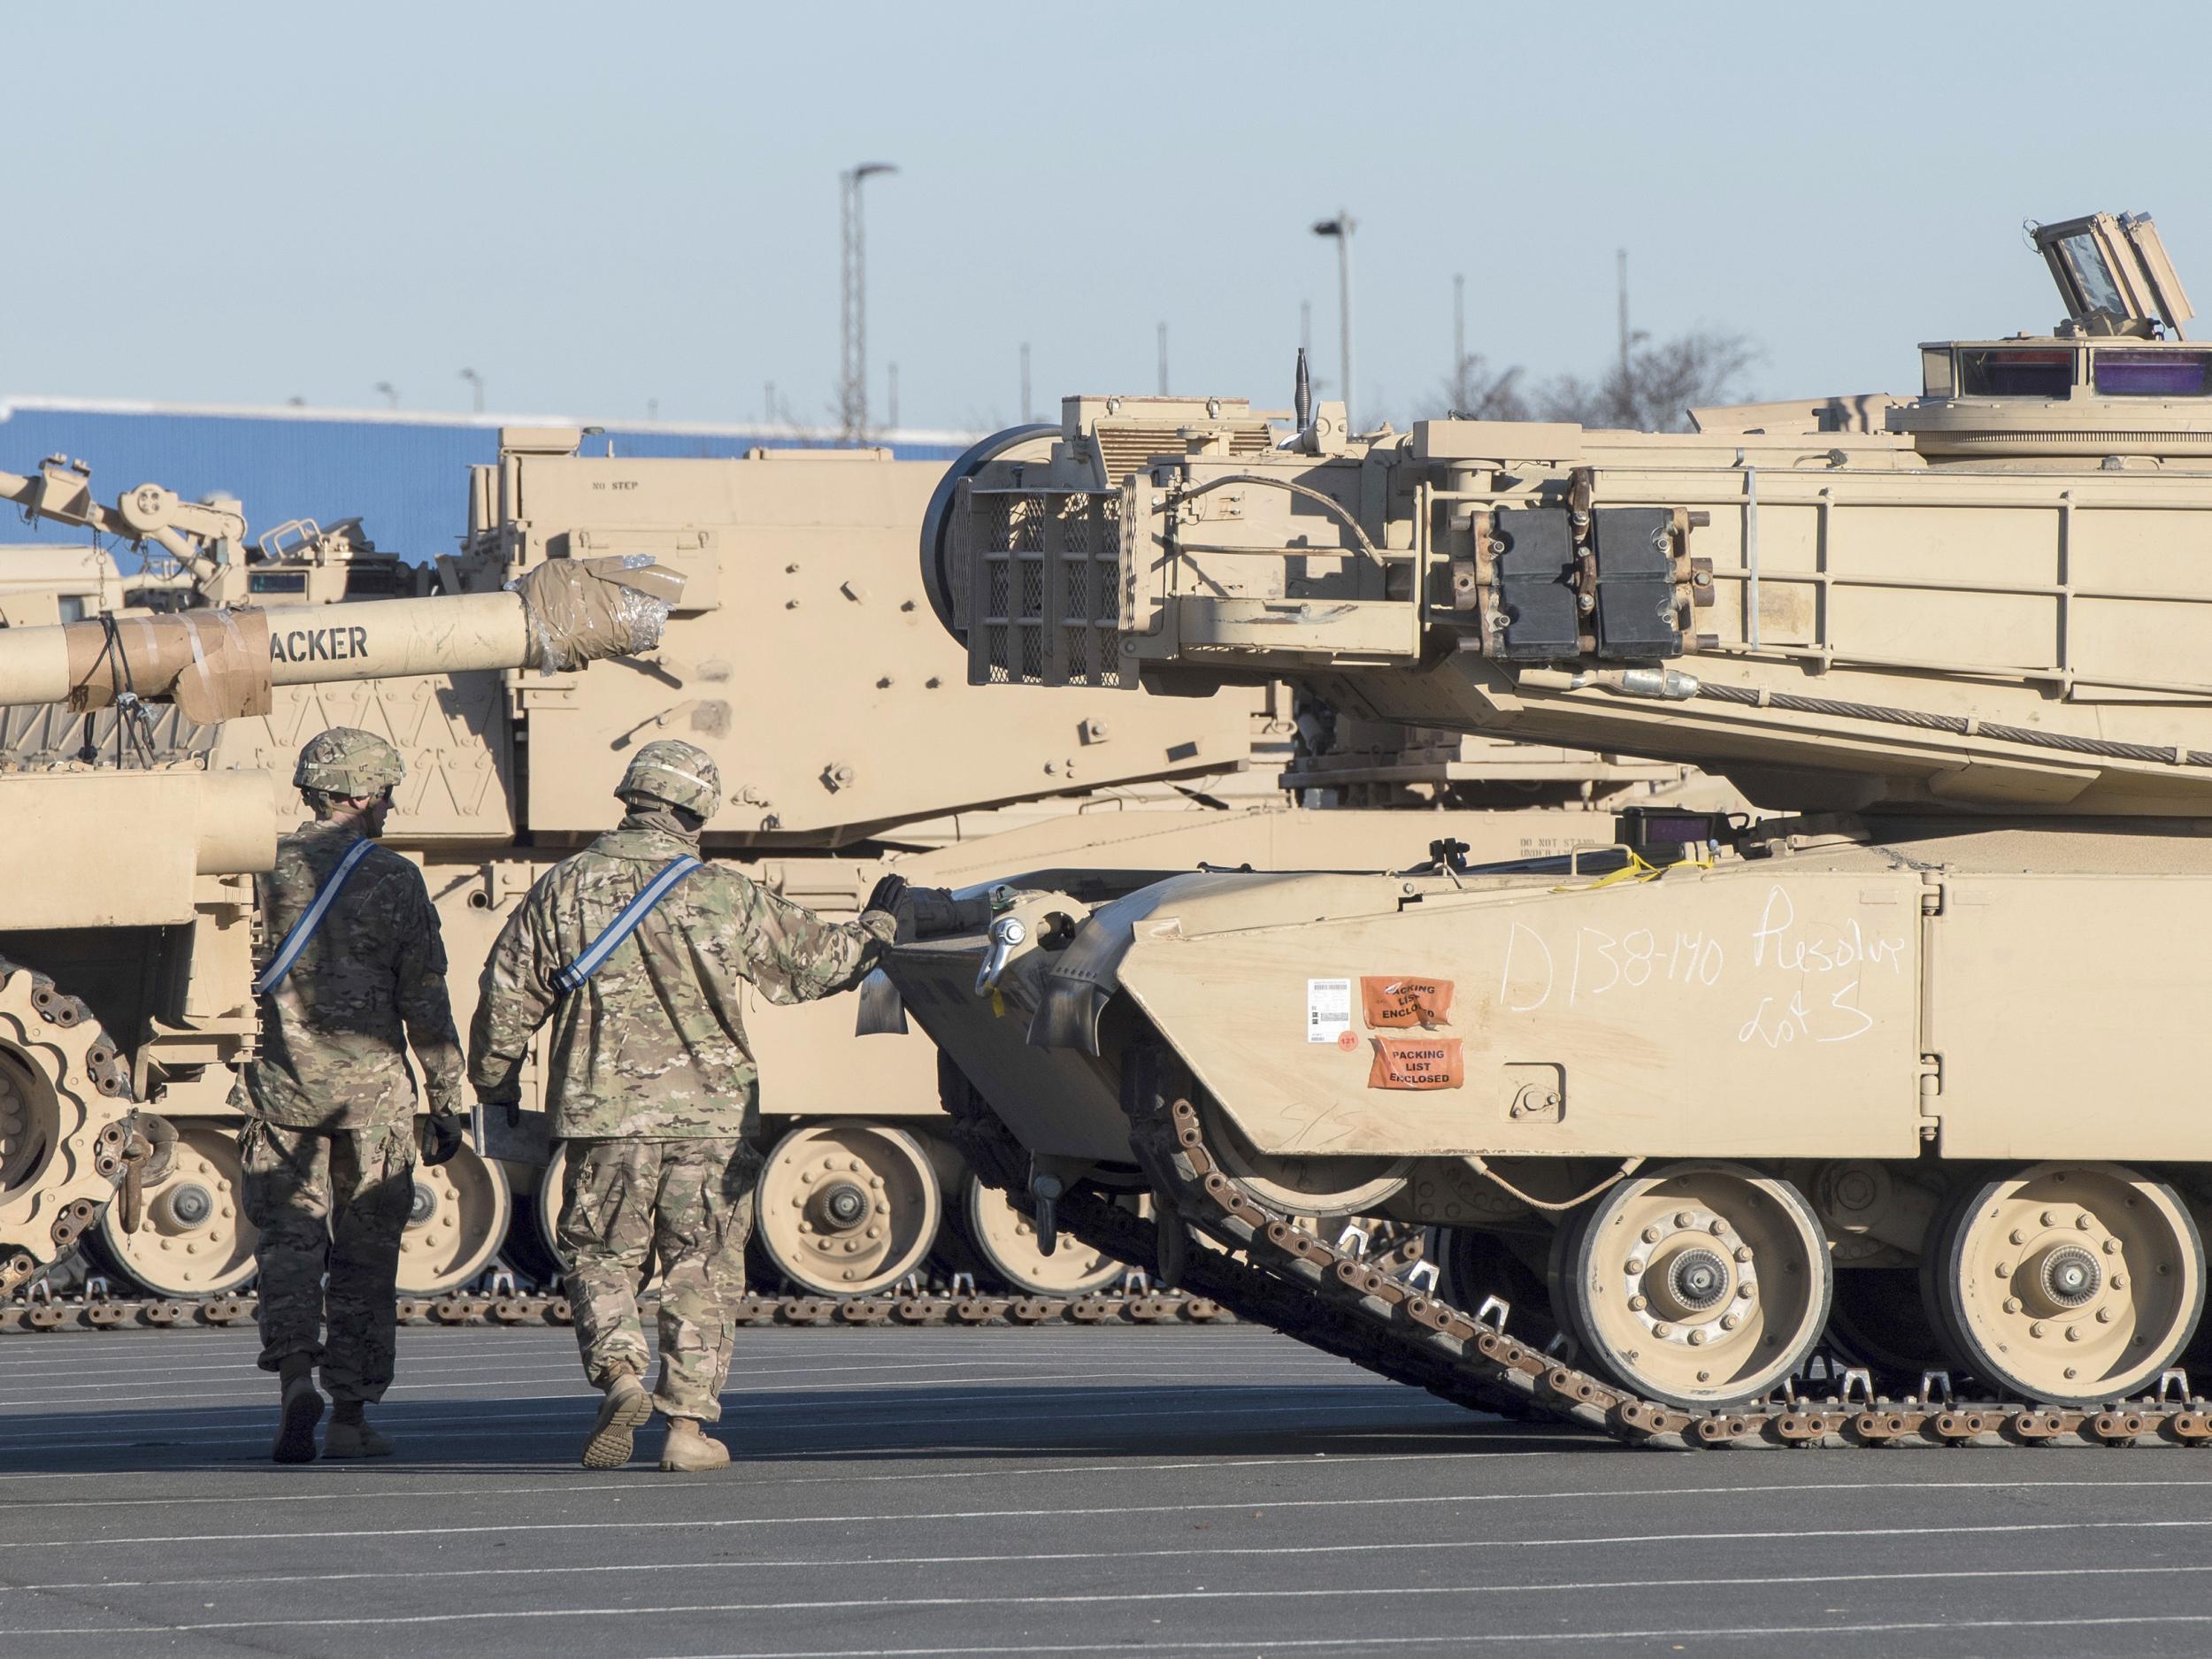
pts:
pixel 1083 978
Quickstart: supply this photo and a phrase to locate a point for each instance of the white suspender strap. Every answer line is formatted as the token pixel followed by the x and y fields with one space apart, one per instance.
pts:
pixel 288 952
pixel 596 953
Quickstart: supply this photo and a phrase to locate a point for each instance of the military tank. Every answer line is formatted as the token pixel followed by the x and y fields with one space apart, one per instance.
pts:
pixel 1897 1091
pixel 802 595
pixel 126 970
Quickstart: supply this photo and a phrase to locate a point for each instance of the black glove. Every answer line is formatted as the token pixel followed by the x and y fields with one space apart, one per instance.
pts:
pixel 442 1138
pixel 886 895
pixel 510 1103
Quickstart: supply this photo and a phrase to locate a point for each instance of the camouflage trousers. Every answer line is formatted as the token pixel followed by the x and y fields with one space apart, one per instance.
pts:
pixel 329 1201
pixel 690 1202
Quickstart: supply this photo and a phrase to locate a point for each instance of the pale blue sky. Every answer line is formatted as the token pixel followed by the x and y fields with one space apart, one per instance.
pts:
pixel 594 206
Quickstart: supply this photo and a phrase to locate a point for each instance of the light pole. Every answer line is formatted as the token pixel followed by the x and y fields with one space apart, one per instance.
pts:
pixel 1341 227
pixel 390 394
pixel 1628 383
pixel 1459 345
pixel 476 386
pixel 852 398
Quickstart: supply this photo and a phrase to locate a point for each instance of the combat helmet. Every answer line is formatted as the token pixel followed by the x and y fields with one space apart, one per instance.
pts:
pixel 677 773
pixel 347 761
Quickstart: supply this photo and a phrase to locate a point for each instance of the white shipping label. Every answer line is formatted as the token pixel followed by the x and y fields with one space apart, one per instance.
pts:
pixel 1328 1010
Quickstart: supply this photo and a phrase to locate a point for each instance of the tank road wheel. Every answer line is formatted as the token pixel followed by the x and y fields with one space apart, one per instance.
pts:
pixel 193 1237
pixel 2067 1284
pixel 456 1224
pixel 847 1209
pixel 1006 1241
pixel 1702 1285
pixel 63 1097
pixel 1299 1186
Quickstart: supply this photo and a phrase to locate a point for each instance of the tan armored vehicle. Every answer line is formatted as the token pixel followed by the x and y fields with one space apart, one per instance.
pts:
pixel 1910 1081
pixel 803 656
pixel 125 939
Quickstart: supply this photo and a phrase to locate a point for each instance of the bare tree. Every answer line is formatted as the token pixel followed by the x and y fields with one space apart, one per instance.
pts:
pixel 1477 392
pixel 1664 379
pixel 799 434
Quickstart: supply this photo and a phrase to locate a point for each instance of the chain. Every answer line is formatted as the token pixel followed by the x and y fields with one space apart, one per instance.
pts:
pixel 507 1306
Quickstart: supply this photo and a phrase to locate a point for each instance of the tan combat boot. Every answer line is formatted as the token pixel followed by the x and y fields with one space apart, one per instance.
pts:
pixel 621 1414
pixel 350 1435
pixel 301 1409
pixel 689 1449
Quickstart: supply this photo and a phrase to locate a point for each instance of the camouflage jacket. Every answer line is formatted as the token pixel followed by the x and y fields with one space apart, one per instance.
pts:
pixel 334 1032
pixel 653 1045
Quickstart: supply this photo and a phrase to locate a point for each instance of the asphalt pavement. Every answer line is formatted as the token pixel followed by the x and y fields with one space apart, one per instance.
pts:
pixel 1066 1491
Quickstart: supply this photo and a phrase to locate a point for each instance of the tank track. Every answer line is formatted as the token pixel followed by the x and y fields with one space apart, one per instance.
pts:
pixel 1277 1273
pixel 505 1304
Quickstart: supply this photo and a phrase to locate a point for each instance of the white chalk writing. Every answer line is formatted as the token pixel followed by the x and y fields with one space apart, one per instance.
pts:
pixel 1803 981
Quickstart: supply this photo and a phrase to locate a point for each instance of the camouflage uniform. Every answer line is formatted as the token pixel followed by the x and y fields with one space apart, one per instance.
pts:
pixel 329 1156
pixel 652 1084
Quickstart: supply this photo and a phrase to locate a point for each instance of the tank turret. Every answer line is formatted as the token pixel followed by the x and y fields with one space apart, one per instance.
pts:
pixel 1828 616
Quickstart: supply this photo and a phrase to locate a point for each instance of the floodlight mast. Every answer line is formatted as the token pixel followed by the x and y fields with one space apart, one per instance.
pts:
pixel 852 401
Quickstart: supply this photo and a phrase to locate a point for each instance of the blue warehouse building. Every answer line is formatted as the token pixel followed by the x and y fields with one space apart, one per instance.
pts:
pixel 403 475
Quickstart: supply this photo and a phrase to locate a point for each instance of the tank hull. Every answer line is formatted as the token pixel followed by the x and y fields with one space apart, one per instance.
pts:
pixel 1879 1044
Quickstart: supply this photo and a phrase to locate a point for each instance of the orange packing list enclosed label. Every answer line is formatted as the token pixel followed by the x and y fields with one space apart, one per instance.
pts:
pixel 1416 1062
pixel 1396 1001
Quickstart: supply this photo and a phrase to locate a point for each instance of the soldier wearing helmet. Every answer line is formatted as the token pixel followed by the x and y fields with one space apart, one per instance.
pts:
pixel 635 951
pixel 352 974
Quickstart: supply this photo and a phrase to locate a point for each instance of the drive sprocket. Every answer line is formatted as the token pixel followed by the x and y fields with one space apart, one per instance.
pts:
pixel 65 1113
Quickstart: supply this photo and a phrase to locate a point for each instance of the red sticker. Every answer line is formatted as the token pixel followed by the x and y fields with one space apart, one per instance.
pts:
pixel 1347 1041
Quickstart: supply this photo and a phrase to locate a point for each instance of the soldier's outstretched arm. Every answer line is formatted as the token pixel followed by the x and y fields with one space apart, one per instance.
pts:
pixel 793 955
pixel 514 997
pixel 419 993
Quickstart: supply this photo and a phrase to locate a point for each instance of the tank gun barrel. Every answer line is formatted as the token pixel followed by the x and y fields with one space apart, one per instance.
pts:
pixel 219 664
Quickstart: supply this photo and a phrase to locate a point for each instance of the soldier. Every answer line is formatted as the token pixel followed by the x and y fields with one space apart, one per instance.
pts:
pixel 357 975
pixel 636 949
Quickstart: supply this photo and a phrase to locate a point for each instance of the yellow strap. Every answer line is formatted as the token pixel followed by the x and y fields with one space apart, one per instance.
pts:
pixel 1637 869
